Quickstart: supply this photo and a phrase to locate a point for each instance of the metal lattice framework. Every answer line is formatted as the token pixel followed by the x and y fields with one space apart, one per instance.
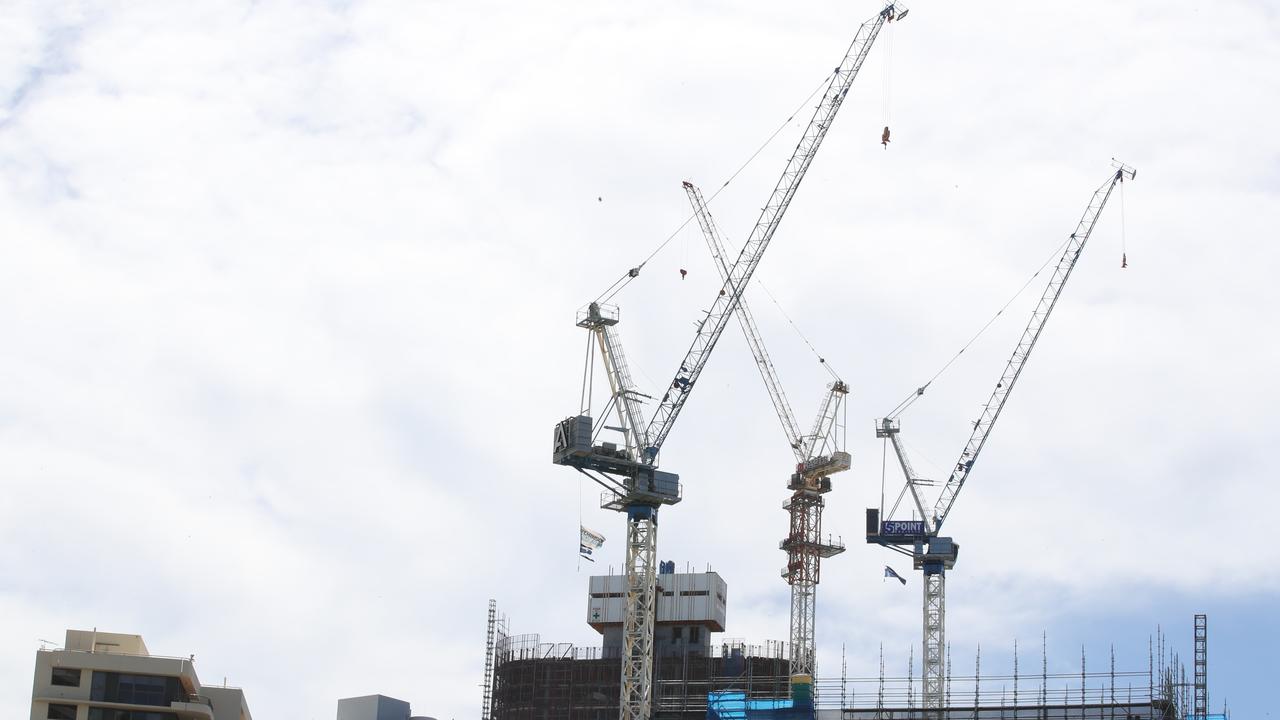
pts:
pixel 768 373
pixel 637 635
pixel 818 455
pixel 805 551
pixel 625 398
pixel 933 669
pixel 933 553
pixel 1018 360
pixel 713 325
pixel 486 706
pixel 1201 678
pixel 630 476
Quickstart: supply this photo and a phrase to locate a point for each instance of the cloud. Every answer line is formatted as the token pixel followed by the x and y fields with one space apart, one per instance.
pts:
pixel 289 292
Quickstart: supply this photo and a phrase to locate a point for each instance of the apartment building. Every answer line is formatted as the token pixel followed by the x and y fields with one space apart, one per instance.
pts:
pixel 112 676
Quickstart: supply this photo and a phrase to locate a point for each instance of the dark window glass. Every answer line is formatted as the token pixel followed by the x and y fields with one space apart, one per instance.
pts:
pixel 693 634
pixel 102 685
pixel 62 712
pixel 143 690
pixel 135 689
pixel 677 633
pixel 69 677
pixel 113 714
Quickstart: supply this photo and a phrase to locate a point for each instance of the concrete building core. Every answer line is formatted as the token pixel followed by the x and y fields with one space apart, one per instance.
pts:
pixel 112 676
pixel 688 608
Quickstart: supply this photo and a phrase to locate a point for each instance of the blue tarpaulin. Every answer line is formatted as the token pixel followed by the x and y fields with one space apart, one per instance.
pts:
pixel 734 705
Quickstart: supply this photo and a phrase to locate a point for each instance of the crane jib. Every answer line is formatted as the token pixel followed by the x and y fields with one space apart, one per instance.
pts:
pixel 717 317
pixel 1018 360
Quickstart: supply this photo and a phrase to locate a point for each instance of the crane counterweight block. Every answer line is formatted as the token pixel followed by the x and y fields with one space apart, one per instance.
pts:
pixel 936 555
pixel 643 484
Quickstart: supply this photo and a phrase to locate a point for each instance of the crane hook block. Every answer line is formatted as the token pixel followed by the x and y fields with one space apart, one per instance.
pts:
pixel 683 272
pixel 884 137
pixel 633 272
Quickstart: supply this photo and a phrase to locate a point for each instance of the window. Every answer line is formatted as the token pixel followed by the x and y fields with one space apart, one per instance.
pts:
pixel 693 634
pixel 69 677
pixel 677 634
pixel 693 593
pixel 113 714
pixel 135 689
pixel 62 712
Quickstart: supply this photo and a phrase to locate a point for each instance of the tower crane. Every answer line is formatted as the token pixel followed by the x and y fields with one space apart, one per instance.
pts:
pixel 932 553
pixel 819 455
pixel 633 483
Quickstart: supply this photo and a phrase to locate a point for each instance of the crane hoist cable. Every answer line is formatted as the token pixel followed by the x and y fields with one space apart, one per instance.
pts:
pixel 886 89
pixel 634 272
pixel 910 399
pixel 1124 252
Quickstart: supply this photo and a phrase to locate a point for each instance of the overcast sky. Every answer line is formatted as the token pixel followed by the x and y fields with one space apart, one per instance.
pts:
pixel 287 295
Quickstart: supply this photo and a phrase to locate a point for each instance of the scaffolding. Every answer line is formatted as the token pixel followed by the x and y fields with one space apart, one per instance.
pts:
pixel 486 704
pixel 534 680
pixel 1202 667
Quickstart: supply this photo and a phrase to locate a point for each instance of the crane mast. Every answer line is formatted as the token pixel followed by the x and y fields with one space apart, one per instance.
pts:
pixel 934 554
pixel 804 544
pixel 633 483
pixel 818 455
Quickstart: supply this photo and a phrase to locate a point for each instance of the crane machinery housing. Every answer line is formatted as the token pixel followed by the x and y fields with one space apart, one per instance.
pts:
pixel 629 473
pixel 819 455
pixel 932 553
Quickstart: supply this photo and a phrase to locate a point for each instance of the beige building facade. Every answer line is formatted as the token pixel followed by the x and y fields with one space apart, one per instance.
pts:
pixel 112 676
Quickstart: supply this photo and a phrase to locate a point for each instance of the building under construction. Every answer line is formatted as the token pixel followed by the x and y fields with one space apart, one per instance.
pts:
pixel 657 657
pixel 698 675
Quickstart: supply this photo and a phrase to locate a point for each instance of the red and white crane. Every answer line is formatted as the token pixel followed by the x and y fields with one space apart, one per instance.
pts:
pixel 819 454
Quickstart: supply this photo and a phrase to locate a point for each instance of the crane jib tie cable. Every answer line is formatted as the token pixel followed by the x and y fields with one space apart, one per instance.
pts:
pixel 918 392
pixel 634 272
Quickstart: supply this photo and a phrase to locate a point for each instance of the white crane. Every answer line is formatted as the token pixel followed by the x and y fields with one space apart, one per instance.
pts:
pixel 934 554
pixel 630 474
pixel 819 455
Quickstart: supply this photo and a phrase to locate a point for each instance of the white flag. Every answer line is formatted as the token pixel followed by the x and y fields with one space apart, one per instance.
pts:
pixel 589 541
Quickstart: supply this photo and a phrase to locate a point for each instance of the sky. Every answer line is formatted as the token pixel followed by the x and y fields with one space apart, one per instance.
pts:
pixel 287 293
